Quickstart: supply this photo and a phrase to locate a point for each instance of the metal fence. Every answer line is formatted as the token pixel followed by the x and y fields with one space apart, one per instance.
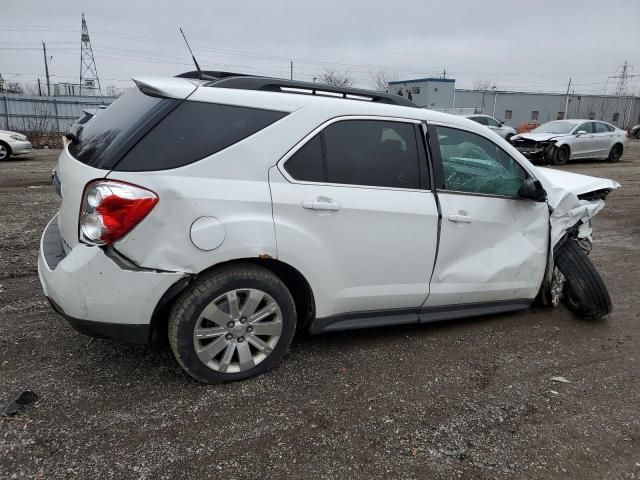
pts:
pixel 26 114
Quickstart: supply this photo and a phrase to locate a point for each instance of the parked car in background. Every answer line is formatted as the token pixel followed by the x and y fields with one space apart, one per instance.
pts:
pixel 635 132
pixel 559 141
pixel 505 131
pixel 228 215
pixel 13 143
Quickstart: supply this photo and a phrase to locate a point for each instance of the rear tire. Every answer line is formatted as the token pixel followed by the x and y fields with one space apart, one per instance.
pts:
pixel 5 151
pixel 638 134
pixel 584 291
pixel 232 324
pixel 560 156
pixel 615 153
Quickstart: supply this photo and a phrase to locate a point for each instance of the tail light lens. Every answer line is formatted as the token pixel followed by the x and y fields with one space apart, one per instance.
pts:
pixel 111 209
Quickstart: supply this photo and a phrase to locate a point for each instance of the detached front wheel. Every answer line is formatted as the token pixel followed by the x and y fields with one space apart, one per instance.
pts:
pixel 584 290
pixel 232 324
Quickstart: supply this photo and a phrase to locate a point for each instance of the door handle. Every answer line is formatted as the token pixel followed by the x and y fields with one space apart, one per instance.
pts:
pixel 324 204
pixel 460 218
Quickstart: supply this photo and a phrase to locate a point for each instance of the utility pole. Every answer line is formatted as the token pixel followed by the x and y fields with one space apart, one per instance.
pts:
pixel 566 102
pixel 88 70
pixel 495 100
pixel 46 68
pixel 291 65
pixel 39 88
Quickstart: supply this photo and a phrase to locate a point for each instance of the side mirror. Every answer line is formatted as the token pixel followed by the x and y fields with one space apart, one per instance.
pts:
pixel 532 189
pixel 581 132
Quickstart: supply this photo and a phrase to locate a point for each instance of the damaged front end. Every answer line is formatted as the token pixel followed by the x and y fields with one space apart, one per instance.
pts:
pixel 535 150
pixel 574 200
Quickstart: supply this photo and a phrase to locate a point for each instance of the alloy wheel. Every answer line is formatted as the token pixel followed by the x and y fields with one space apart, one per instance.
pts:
pixel 237 330
pixel 3 152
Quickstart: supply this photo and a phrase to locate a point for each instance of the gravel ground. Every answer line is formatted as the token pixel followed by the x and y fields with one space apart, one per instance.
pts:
pixel 467 399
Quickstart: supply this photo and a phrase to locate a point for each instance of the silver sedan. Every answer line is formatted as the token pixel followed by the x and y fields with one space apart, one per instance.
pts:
pixel 563 140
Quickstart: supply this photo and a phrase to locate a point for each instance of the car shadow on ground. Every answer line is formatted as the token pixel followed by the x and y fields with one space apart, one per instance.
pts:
pixel 157 359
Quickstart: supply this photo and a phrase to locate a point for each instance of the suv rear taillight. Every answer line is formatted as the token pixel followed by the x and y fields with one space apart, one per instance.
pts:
pixel 111 209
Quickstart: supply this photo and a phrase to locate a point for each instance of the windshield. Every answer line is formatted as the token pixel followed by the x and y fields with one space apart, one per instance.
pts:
pixel 555 127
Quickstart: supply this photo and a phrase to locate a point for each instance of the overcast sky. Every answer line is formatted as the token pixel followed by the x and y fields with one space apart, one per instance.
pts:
pixel 535 45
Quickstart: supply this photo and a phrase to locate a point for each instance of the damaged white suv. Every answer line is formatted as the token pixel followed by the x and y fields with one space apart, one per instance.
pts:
pixel 226 215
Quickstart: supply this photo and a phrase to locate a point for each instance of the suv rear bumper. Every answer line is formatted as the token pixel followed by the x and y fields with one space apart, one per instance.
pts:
pixel 96 295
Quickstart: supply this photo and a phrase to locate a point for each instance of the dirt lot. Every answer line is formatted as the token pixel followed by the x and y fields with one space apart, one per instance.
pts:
pixel 469 399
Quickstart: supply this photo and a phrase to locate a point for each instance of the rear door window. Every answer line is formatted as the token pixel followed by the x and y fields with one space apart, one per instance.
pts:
pixel 361 152
pixel 372 152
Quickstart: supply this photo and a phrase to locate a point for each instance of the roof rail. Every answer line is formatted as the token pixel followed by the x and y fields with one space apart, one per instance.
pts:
pixel 246 82
pixel 210 74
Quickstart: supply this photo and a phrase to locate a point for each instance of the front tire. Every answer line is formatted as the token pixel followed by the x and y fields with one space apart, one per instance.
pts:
pixel 5 151
pixel 560 156
pixel 584 290
pixel 232 324
pixel 615 153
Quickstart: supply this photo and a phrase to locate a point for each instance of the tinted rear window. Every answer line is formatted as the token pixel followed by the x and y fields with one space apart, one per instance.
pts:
pixel 195 130
pixel 104 141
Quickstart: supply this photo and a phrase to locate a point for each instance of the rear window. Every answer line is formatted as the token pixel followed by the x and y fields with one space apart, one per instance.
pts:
pixel 105 140
pixel 195 130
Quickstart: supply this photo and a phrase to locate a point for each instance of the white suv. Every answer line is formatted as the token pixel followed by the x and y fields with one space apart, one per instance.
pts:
pixel 226 215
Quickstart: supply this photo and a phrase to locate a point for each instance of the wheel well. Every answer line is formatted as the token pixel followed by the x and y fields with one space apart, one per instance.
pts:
pixel 2 142
pixel 618 144
pixel 292 278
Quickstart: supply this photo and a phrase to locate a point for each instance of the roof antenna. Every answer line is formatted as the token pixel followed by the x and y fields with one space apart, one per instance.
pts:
pixel 200 74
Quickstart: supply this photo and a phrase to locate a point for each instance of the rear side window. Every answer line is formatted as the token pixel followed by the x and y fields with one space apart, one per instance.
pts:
pixel 360 152
pixel 195 130
pixel 480 120
pixel 372 152
pixel 603 128
pixel 103 141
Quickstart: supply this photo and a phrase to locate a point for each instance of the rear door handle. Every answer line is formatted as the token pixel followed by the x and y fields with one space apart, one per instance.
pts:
pixel 324 204
pixel 460 218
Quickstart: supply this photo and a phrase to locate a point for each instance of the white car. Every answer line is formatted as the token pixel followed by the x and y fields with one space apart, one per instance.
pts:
pixel 505 131
pixel 13 143
pixel 563 140
pixel 229 215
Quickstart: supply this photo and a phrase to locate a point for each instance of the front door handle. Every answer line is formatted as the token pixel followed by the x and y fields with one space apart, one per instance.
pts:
pixel 324 204
pixel 460 218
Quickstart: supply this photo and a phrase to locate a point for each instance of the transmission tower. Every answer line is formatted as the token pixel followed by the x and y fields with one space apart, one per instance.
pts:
pixel 88 70
pixel 622 91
